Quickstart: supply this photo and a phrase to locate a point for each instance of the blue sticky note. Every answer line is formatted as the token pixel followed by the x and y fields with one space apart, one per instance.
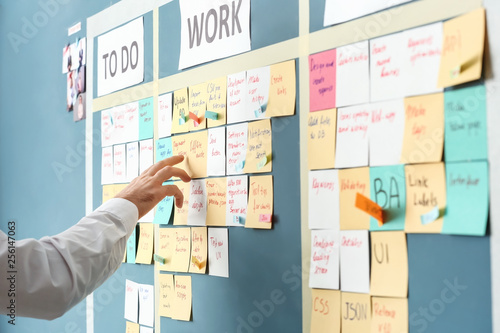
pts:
pixel 465 133
pixel 164 208
pixel 146 123
pixel 163 148
pixel 430 216
pixel 388 190
pixel 131 250
pixel 467 198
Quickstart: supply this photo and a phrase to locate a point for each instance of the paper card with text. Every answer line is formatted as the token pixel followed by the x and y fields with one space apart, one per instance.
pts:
pixel 282 90
pixel 424 129
pixel 107 172
pixel 181 146
pixel 325 259
pixel 389 264
pixel 107 128
pixel 131 121
pixel 181 257
pixel 322 80
pixel 324 200
pixel 131 301
pixel 146 123
pixel 119 123
pixel 131 247
pixel 387 75
pixel 389 314
pixel 218 252
pixel 353 74
pixel 341 11
pixel 321 133
pixel 216 101
pixel 146 304
pixel 236 148
pixel 463 48
pixel 260 202
pixel 197 209
pixel 425 189
pixel 166 246
pixel 145 329
pixel 132 160
pixel 132 327
pixel 356 312
pixel 388 189
pixel 386 132
pixel 354 261
pixel 197 106
pixel 351 182
pixel 236 98
pixel 465 131
pixel 164 149
pixel 146 153
pixel 467 188
pixel 199 250
pixel 167 294
pixel 164 208
pixel 181 214
pixel 180 111
pixel 165 115
pixel 325 316
pixel 119 164
pixel 216 201
pixel 352 136
pixel 422 48
pixel 236 200
pixel 183 298
pixel 259 155
pixel 216 152
pixel 197 154
pixel 145 246
pixel 257 91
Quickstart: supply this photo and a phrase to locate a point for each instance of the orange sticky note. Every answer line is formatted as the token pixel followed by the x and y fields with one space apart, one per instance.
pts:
pixel 370 207
pixel 194 118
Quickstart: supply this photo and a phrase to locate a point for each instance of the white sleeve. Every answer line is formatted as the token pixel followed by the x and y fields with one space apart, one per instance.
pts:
pixel 55 273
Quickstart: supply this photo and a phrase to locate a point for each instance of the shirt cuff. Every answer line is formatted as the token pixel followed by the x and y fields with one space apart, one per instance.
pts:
pixel 123 209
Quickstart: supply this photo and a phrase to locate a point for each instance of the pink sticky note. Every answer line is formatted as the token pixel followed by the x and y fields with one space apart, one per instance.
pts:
pixel 322 80
pixel 265 218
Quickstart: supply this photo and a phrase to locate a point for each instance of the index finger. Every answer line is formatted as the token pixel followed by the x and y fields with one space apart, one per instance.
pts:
pixel 163 163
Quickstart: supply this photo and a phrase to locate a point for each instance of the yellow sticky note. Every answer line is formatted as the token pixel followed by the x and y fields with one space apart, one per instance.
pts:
pixel 167 295
pixel 259 146
pixel 425 189
pixel 282 90
pixel 181 214
pixel 389 264
pixel 424 129
pixel 260 203
pixel 351 182
pixel 389 315
pixel 216 201
pixel 110 191
pixel 180 146
pixel 197 154
pixel 356 312
pixel 198 250
pixel 183 298
pixel 463 48
pixel 216 100
pixel 145 247
pixel 325 317
pixel 198 106
pixel 181 256
pixel 180 111
pixel 131 327
pixel 166 245
pixel 321 134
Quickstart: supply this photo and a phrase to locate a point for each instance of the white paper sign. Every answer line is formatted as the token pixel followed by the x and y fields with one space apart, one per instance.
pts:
pixel 236 142
pixel 352 136
pixel 218 250
pixel 132 160
pixel 120 57
pixel 324 200
pixel 386 132
pixel 353 75
pixel 213 29
pixel 107 166
pixel 119 164
pixel 216 158
pixel 236 201
pixel 354 261
pixel 165 115
pixel 324 272
pixel 257 97
pixel 131 300
pixel 145 154
pixel 146 304
pixel 337 11
pixel 236 98
pixel 197 210
pixel 131 123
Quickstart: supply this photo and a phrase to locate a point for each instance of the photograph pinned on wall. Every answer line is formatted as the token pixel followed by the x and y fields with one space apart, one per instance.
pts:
pixel 80 80
pixel 70 90
pixel 80 108
pixel 82 51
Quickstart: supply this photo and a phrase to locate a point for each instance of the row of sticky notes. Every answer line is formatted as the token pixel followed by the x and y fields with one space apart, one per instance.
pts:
pixel 451 198
pixel 419 61
pixel 410 130
pixel 175 296
pixel 139 303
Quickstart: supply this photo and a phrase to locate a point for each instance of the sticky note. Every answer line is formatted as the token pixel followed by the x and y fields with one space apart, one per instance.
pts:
pixel 198 264
pixel 197 154
pixel 463 47
pixel 119 134
pixel 216 102
pixel 179 111
pixel 262 163
pixel 159 259
pixel 372 208
pixel 165 248
pixel 351 182
pixel 131 247
pixel 356 312
pixel 131 122
pixel 197 209
pixel 216 152
pixel 146 153
pixel 181 257
pixel 425 189
pixel 164 208
pixel 322 80
pixel 146 123
pixel 325 314
pixel 107 175
pixel 164 149
pixel 260 202
pixel 465 133
pixel 218 250
pixel 282 90
pixel 181 214
pixel 430 216
pixel 107 128
pixel 389 312
pixel 259 146
pixel 324 198
pixel 257 88
pixel 237 200
pixel 354 261
pixel 131 301
pixel 321 136
pixel 325 259
pixel 236 147
pixel 165 115
pixel 197 106
pixel 388 190
pixel 352 136
pixel 167 295
pixel 211 115
pixel 389 264
pixel 180 146
pixel 132 149
pixel 199 250
pixel 216 201
pixel 145 247
pixel 119 166
pixel 183 298
pixel 236 99
pixel 146 304
pixel 131 327
pixel 467 188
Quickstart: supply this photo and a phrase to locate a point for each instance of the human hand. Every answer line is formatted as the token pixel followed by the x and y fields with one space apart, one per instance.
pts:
pixel 146 191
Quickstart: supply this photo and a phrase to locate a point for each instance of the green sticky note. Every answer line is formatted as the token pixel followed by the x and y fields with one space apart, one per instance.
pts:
pixel 465 133
pixel 159 259
pixel 211 115
pixel 467 198
pixel 146 123
pixel 388 190
pixel 131 250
